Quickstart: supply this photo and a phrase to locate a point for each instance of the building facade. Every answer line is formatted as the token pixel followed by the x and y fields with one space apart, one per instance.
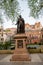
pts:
pixel 42 35
pixel 33 32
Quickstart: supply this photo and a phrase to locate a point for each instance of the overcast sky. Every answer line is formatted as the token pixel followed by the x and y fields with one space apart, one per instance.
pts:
pixel 25 14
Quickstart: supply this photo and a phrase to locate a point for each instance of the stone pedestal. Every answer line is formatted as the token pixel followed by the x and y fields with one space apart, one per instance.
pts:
pixel 20 53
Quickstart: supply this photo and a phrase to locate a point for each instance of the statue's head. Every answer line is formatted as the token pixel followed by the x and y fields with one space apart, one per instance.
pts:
pixel 20 16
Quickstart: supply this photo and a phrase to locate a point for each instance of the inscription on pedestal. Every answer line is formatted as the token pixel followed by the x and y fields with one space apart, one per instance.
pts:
pixel 19 43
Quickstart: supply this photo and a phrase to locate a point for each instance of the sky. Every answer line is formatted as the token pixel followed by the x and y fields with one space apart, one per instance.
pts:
pixel 25 14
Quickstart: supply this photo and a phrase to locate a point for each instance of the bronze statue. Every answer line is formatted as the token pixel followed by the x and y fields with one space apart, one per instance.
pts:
pixel 20 25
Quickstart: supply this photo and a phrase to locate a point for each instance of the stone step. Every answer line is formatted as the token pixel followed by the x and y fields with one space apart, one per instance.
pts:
pixel 21 57
pixel 20 51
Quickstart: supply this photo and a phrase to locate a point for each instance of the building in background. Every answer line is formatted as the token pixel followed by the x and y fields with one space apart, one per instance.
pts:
pixel 42 35
pixel 5 35
pixel 11 31
pixel 33 32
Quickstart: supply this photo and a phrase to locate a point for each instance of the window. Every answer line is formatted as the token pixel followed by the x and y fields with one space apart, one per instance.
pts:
pixel 0 30
pixel 42 36
pixel 2 39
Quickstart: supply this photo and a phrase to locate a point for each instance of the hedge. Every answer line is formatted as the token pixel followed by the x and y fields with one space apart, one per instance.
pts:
pixel 6 51
pixel 34 50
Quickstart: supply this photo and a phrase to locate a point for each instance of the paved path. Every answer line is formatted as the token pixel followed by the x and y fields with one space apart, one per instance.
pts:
pixel 3 56
pixel 36 59
pixel 6 59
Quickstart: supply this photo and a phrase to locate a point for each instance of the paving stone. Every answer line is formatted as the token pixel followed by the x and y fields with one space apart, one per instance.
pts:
pixel 41 56
pixel 36 59
pixel 21 63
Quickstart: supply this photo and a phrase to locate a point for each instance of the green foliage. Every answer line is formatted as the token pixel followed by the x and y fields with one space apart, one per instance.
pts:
pixel 0 46
pixel 7 30
pixel 34 50
pixel 35 7
pixel 10 7
pixel 1 21
pixel 5 46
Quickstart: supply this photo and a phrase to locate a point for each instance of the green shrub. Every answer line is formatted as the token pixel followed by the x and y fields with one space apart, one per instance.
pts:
pixel 34 50
pixel 5 46
pixel 1 47
pixel 6 51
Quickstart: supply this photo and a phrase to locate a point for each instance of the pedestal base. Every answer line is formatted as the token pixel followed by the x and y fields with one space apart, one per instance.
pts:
pixel 20 52
pixel 20 55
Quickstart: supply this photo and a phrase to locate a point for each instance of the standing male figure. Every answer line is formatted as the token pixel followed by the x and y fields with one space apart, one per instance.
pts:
pixel 20 25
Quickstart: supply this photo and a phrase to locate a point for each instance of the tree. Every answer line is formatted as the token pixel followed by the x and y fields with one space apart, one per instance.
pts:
pixel 10 8
pixel 1 21
pixel 36 7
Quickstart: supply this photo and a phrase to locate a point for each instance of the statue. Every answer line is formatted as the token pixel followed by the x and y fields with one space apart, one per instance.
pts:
pixel 20 43
pixel 20 25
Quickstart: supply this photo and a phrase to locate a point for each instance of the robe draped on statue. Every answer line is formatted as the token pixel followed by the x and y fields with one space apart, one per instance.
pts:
pixel 20 25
